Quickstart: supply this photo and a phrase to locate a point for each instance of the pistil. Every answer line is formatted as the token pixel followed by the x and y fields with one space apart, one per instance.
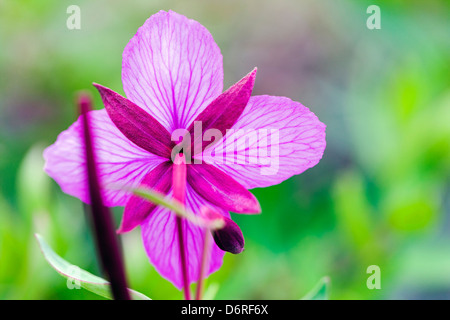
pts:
pixel 179 194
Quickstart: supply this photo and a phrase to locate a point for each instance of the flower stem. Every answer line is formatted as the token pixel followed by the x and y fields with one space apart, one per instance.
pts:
pixel 187 293
pixel 203 264
pixel 179 193
pixel 106 239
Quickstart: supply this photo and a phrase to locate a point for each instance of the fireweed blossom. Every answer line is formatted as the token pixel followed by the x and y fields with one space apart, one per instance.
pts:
pixel 172 76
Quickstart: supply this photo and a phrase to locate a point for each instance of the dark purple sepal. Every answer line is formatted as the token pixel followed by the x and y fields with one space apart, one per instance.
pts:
pixel 220 189
pixel 136 124
pixel 223 112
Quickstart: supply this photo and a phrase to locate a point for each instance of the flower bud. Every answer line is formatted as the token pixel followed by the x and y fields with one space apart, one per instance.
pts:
pixel 228 238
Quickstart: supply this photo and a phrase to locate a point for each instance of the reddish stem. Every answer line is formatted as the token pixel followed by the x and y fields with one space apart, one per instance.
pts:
pixel 203 265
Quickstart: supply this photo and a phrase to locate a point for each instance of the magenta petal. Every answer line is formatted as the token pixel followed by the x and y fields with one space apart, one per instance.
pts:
pixel 137 208
pixel 119 161
pixel 160 238
pixel 224 111
pixel 289 140
pixel 172 68
pixel 221 190
pixel 136 124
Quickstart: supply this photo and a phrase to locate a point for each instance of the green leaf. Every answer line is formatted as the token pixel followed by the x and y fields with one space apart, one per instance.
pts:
pixel 320 291
pixel 78 276
pixel 211 291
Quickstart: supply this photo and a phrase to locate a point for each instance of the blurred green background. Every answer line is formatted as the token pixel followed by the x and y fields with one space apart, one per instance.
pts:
pixel 380 195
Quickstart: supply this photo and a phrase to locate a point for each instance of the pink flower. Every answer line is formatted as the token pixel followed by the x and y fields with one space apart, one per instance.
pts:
pixel 173 75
